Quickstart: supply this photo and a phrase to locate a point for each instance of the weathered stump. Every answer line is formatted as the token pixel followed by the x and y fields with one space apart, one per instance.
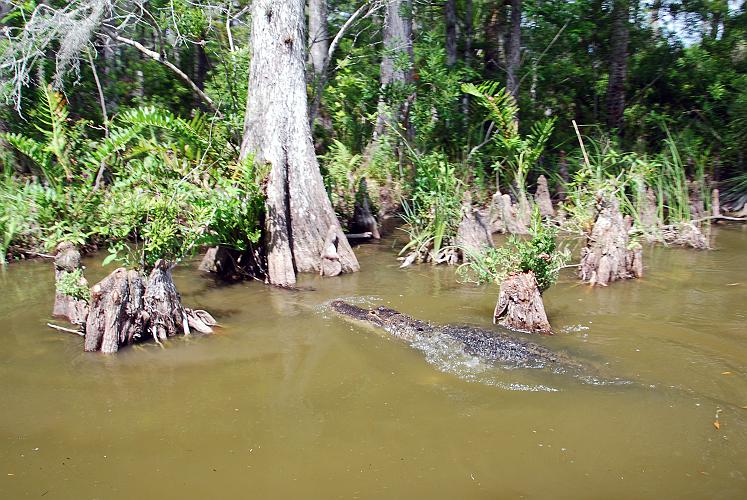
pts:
pixel 230 264
pixel 495 214
pixel 117 316
pixel 520 305
pixel 126 309
pixel 163 305
pixel 697 207
pixel 67 262
pixel 715 204
pixel 647 209
pixel 607 256
pixel 542 198
pixel 686 234
pixel 363 219
pixel 513 216
pixel 474 234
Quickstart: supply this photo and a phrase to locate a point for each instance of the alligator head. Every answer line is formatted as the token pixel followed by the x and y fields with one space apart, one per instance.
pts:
pixel 400 325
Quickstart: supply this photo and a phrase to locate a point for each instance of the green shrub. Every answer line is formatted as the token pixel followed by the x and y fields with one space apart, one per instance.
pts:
pixel 538 254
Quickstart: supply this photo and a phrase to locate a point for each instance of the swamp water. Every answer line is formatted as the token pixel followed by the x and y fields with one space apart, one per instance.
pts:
pixel 288 400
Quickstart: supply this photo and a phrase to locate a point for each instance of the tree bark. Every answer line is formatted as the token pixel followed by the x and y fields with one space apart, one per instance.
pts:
pixel 298 213
pixel 495 32
pixel 520 305
pixel 618 65
pixel 514 51
pixel 450 14
pixel 608 256
pixel 117 316
pixel 394 74
pixel 126 309
pixel 318 37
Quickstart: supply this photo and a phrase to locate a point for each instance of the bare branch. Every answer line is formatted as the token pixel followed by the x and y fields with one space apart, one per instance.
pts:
pixel 162 60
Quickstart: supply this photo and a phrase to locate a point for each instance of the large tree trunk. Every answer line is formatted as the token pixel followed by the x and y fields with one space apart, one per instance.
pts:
pixel 520 305
pixel 397 49
pixel 298 213
pixel 495 32
pixel 450 15
pixel 618 65
pixel 318 37
pixel 514 51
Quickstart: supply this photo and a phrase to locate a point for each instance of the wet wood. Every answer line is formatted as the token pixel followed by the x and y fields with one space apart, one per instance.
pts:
pixel 117 316
pixel 607 256
pixel 520 305
pixel 67 260
pixel 126 308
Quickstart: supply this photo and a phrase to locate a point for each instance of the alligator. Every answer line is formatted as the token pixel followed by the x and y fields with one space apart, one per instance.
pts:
pixel 488 345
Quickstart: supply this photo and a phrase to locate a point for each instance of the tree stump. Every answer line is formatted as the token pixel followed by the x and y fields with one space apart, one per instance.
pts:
pixel 126 309
pixel 163 305
pixel 607 256
pixel 495 214
pixel 542 198
pixel 117 316
pixel 363 219
pixel 513 216
pixel 520 305
pixel 686 234
pixel 473 234
pixel 67 260
pixel 697 207
pixel 647 209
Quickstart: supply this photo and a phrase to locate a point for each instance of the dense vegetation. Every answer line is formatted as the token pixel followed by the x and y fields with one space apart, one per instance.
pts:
pixel 123 120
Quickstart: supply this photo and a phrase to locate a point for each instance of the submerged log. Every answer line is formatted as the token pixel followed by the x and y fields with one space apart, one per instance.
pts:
pixel 542 198
pixel 67 261
pixel 607 256
pixel 520 305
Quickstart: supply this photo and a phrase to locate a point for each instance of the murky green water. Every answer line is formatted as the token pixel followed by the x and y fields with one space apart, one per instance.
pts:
pixel 289 401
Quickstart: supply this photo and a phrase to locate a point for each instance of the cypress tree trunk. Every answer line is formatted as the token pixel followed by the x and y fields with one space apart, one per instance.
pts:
pixel 318 36
pixel 514 51
pixel 495 31
pixel 298 213
pixel 618 65
pixel 397 42
pixel 451 32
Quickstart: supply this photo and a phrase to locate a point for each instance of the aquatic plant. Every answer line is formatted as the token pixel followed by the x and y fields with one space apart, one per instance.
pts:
pixel 539 254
